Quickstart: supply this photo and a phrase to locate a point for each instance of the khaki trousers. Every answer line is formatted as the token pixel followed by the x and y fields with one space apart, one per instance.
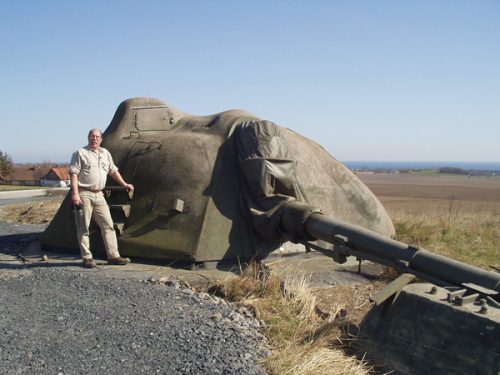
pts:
pixel 94 206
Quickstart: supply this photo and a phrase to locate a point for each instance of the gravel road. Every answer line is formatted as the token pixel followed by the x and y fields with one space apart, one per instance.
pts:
pixel 58 320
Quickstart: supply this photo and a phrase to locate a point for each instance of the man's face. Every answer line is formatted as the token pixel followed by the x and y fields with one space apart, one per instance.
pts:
pixel 95 140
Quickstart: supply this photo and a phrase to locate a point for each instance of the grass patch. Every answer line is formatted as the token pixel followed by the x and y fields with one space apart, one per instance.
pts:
pixel 305 330
pixel 457 231
pixel 15 187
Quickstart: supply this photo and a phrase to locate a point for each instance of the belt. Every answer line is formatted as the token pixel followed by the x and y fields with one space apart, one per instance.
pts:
pixel 87 189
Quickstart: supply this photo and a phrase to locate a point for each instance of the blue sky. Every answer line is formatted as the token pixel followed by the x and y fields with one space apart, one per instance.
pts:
pixel 368 80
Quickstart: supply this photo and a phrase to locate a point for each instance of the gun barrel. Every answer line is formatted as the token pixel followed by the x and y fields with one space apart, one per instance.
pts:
pixel 420 260
pixel 366 244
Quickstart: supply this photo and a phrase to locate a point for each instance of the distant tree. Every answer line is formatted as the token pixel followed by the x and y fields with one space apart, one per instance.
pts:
pixel 6 165
pixel 452 170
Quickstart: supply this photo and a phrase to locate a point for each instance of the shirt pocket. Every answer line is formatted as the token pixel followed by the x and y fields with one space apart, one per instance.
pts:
pixel 86 166
pixel 105 166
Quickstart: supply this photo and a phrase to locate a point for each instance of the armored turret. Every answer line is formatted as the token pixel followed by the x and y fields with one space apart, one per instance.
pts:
pixel 211 188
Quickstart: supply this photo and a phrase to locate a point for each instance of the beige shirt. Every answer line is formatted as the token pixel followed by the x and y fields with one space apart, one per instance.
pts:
pixel 92 167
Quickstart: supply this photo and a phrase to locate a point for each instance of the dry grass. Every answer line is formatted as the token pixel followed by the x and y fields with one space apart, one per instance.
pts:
pixel 39 212
pixel 462 230
pixel 307 330
pixel 315 358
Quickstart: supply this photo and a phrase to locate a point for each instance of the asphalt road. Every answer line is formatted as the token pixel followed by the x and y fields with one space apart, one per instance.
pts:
pixel 20 196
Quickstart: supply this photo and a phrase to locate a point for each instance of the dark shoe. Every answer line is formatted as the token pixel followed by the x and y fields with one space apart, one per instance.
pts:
pixel 118 261
pixel 88 263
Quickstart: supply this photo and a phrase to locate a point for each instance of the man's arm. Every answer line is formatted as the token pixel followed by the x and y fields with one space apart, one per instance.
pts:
pixel 75 194
pixel 118 178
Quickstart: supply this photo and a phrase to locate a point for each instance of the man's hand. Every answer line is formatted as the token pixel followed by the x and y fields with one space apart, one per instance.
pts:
pixel 75 195
pixel 75 199
pixel 118 178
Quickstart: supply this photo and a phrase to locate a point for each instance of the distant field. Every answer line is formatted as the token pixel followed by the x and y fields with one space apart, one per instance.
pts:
pixel 416 193
pixel 433 187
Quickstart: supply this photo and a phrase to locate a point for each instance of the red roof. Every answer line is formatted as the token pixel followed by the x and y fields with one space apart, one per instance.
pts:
pixel 62 173
pixel 28 174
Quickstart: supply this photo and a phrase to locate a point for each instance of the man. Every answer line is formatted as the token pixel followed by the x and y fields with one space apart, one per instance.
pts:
pixel 89 169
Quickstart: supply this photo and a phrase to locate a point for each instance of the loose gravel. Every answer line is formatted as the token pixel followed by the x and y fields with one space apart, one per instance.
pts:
pixel 15 229
pixel 54 321
pixel 57 320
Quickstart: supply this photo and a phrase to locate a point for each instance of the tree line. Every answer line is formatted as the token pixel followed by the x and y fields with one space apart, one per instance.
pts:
pixel 6 164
